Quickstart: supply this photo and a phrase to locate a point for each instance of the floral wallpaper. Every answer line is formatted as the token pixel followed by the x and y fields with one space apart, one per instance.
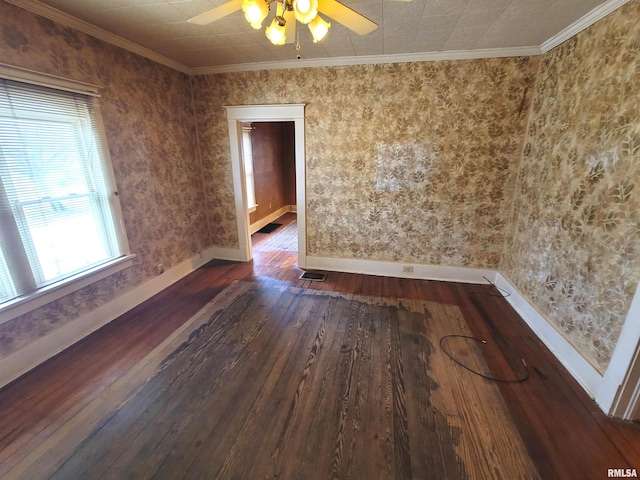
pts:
pixel 148 116
pixel 574 248
pixel 410 162
pixel 425 162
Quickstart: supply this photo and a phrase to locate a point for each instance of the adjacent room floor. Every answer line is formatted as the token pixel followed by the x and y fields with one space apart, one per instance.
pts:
pixel 244 371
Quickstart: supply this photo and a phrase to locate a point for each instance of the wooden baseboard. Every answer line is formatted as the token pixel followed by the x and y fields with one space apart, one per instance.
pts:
pixel 254 227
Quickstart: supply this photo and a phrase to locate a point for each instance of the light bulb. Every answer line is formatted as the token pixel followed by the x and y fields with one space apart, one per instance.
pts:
pixel 318 28
pixel 303 5
pixel 255 11
pixel 276 33
pixel 305 10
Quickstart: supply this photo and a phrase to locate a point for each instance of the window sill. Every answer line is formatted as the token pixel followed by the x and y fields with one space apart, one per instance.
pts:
pixel 253 208
pixel 25 304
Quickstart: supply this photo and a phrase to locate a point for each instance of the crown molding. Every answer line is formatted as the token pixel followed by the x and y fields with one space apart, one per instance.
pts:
pixel 65 19
pixel 371 59
pixel 73 22
pixel 589 19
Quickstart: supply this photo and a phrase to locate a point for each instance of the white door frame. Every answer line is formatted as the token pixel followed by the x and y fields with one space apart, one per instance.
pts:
pixel 266 113
pixel 619 394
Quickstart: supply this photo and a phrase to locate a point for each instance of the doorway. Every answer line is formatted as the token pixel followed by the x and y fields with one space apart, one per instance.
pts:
pixel 268 151
pixel 236 117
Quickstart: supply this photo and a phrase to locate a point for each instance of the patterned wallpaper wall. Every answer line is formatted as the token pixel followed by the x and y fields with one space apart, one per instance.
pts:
pixel 413 162
pixel 150 131
pixel 575 245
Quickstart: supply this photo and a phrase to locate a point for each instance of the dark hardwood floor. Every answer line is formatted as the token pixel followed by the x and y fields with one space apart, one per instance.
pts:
pixel 559 430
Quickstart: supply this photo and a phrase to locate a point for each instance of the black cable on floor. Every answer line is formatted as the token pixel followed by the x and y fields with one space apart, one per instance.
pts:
pixel 488 377
pixel 499 292
pixel 495 287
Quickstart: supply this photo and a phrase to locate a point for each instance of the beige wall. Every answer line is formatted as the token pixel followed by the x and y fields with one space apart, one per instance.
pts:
pixel 574 245
pixel 412 162
pixel 151 136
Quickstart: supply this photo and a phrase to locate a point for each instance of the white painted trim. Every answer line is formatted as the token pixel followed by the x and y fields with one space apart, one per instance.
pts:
pixel 233 254
pixel 589 19
pixel 239 188
pixel 394 269
pixel 238 114
pixel 586 375
pixel 46 347
pixel 21 305
pixel 633 412
pixel 254 227
pixel 620 392
pixel 24 75
pixel 110 182
pixel 617 393
pixel 70 21
pixel 266 113
pixel 301 190
pixel 370 60
pixel 627 404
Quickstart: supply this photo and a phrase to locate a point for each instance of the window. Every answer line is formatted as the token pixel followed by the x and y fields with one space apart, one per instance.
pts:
pixel 58 208
pixel 247 158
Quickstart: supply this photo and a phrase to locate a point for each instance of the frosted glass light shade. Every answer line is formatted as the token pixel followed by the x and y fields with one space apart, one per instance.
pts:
pixel 276 33
pixel 305 10
pixel 318 28
pixel 255 11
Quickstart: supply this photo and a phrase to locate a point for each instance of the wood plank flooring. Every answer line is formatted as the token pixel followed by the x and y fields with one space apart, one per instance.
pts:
pixel 341 379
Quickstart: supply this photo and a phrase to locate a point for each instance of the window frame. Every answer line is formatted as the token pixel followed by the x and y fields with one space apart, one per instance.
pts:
pixel 247 159
pixel 26 303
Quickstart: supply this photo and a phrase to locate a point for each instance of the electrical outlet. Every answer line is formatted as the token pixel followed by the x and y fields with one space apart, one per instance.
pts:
pixel 407 269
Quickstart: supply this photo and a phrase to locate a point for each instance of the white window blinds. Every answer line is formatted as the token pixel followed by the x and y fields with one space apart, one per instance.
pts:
pixel 55 214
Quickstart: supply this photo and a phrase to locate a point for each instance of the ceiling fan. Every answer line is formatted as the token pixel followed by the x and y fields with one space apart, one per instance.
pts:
pixel 283 27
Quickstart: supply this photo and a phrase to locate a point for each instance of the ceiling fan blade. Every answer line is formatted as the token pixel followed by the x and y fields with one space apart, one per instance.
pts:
pixel 347 17
pixel 290 26
pixel 216 13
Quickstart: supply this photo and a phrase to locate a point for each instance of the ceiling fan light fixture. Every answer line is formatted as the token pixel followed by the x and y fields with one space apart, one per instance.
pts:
pixel 306 10
pixel 283 29
pixel 318 28
pixel 255 11
pixel 276 32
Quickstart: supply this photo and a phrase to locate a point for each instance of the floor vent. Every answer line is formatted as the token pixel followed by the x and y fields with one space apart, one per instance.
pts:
pixel 269 227
pixel 313 276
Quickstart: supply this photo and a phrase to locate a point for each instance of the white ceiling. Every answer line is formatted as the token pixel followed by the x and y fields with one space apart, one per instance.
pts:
pixel 404 28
